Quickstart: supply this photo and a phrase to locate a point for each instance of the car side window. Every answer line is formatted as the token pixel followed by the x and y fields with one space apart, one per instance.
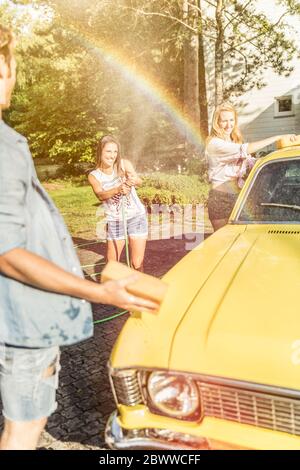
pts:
pixel 274 195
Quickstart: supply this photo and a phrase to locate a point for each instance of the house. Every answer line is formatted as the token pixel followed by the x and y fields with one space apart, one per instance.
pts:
pixel 272 110
pixel 275 108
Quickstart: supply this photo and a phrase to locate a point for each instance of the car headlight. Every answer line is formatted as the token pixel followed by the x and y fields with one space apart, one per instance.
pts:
pixel 174 395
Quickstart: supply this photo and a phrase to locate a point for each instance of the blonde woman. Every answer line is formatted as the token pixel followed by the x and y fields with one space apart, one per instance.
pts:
pixel 228 161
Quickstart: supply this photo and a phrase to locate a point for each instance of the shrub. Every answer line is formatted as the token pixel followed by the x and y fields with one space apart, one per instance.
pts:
pixel 150 195
pixel 197 166
pixel 160 188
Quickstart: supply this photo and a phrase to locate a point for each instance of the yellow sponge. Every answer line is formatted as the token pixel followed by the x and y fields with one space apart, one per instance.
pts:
pixel 286 142
pixel 146 286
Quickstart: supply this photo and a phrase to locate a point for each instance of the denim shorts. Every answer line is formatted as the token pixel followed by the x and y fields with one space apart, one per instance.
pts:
pixel 137 227
pixel 26 393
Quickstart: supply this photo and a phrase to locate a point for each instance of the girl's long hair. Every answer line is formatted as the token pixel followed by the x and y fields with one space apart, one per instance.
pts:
pixel 217 131
pixel 109 139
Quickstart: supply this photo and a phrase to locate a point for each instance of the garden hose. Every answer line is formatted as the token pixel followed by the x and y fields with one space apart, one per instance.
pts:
pixel 124 219
pixel 89 243
pixel 92 275
pixel 125 232
pixel 95 264
pixel 115 314
pixel 112 317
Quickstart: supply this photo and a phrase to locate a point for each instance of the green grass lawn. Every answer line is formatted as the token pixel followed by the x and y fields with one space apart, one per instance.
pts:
pixel 78 206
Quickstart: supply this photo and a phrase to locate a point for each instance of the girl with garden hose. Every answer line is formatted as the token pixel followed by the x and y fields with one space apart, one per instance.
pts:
pixel 113 181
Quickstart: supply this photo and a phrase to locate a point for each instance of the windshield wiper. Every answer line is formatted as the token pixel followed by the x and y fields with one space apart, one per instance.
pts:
pixel 275 204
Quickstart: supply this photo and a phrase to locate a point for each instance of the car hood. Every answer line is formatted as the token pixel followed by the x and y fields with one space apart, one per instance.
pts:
pixel 232 310
pixel 146 339
pixel 245 320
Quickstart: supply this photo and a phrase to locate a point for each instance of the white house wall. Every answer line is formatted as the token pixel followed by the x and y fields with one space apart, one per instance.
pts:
pixel 257 113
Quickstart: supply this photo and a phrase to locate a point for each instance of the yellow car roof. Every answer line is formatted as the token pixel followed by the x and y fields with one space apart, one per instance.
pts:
pixel 287 152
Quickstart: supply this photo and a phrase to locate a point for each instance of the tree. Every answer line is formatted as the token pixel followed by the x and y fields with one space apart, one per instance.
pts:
pixel 79 93
pixel 219 53
pixel 52 70
pixel 202 77
pixel 154 50
pixel 247 42
pixel 191 61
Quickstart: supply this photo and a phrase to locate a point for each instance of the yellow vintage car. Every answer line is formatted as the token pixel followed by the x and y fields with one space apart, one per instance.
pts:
pixel 219 366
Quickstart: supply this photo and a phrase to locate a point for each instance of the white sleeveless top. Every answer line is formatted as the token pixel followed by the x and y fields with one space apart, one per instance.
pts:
pixel 113 206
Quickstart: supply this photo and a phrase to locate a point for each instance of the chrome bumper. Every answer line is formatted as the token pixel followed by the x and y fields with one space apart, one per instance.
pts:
pixel 119 438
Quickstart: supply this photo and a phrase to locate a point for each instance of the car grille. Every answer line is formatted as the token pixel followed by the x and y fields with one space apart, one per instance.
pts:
pixel 126 388
pixel 250 407
pixel 242 404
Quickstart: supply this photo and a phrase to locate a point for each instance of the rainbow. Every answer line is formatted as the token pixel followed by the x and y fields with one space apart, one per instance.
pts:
pixel 150 88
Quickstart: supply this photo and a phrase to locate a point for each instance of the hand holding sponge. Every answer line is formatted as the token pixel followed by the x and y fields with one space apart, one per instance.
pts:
pixel 146 286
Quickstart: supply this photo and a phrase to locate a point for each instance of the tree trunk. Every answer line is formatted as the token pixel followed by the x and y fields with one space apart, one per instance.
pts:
pixel 191 64
pixel 202 79
pixel 219 54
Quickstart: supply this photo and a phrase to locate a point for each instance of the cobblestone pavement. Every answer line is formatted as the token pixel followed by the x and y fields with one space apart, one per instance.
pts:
pixel 84 397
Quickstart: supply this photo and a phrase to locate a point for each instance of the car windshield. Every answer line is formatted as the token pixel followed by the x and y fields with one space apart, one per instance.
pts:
pixel 274 195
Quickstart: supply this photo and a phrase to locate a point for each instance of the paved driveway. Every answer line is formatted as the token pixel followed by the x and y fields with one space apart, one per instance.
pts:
pixel 85 400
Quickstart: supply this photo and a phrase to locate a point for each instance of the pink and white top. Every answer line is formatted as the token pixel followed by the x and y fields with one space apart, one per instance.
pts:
pixel 227 161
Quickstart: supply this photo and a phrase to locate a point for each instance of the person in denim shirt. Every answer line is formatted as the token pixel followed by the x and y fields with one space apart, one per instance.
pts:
pixel 44 296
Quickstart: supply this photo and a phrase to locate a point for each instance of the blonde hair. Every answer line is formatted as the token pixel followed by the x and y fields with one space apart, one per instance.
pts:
pixel 217 131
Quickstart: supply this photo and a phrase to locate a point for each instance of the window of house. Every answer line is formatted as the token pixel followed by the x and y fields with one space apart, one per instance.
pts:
pixel 284 106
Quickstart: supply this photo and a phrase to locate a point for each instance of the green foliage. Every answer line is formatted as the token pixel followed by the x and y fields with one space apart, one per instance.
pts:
pixel 78 204
pixel 149 196
pixel 160 188
pixel 82 68
pixel 52 69
pixel 197 166
pixel 70 92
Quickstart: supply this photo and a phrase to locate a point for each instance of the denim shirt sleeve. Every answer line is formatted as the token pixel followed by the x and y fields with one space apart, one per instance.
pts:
pixel 13 188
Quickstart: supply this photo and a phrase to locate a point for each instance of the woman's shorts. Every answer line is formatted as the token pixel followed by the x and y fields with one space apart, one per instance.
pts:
pixel 137 227
pixel 28 382
pixel 220 204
